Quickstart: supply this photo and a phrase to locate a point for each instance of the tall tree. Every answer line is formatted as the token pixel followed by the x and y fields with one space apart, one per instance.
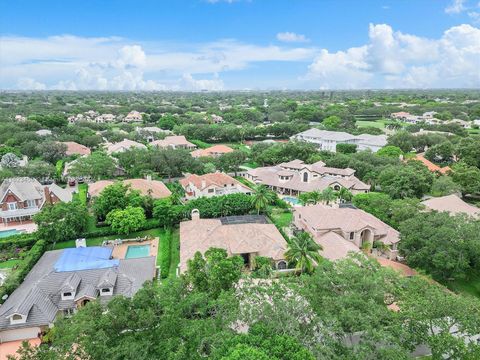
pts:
pixel 303 251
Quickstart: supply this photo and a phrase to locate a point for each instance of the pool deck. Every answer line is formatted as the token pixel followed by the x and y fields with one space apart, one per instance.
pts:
pixel 27 227
pixel 119 251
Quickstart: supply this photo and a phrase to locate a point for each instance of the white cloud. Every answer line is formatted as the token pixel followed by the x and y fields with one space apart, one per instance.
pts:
pixel 189 83
pixel 291 37
pixel 30 84
pixel 70 62
pixel 396 60
pixel 456 7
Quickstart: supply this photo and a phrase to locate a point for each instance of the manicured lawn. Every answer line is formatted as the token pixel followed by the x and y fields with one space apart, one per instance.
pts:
pixel 245 182
pixel 282 218
pixel 376 124
pixel 469 285
pixel 82 193
pixel 174 252
pixel 251 164
pixel 9 263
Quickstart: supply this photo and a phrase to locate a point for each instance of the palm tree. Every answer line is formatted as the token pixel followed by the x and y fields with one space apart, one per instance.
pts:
pixel 304 252
pixel 328 195
pixel 344 195
pixel 262 197
pixel 310 197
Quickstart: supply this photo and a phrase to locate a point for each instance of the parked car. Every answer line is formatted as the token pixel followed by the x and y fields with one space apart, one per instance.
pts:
pixel 71 182
pixel 81 180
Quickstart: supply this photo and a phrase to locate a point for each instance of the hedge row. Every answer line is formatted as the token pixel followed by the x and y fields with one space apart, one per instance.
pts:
pixel 107 230
pixel 18 240
pixel 16 277
pixel 165 253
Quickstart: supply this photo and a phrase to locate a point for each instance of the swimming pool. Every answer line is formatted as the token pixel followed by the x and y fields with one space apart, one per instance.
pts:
pixel 292 200
pixel 137 251
pixel 6 233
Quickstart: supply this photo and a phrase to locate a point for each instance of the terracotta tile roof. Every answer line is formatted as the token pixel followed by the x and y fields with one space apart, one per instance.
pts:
pixel 321 217
pixel 11 347
pixel 334 246
pixel 203 234
pixel 123 145
pixel 212 151
pixel 431 166
pixel 451 204
pixel 203 181
pixel 173 141
pixel 155 188
pixel 74 148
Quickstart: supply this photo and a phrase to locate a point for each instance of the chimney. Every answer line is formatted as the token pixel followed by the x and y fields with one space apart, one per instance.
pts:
pixel 48 196
pixel 195 214
pixel 149 177
pixel 204 184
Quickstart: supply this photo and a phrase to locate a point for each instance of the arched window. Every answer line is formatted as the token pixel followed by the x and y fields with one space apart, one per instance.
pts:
pixel 17 317
pixel 282 265
pixel 336 187
pixel 305 177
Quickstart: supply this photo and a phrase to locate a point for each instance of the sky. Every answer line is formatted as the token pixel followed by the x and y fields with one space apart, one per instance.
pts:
pixel 239 44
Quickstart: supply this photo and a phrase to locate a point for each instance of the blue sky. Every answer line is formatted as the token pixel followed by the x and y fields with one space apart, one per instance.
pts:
pixel 239 44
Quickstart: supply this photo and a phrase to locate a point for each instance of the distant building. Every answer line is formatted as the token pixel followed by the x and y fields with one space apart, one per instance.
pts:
pixel 431 166
pixel 154 188
pixel 63 281
pixel 213 151
pixel 217 119
pixel 174 142
pixel 296 177
pixel 124 145
pixel 453 205
pixel 133 116
pixel 242 238
pixel 328 140
pixel 22 198
pixel 20 118
pixel 213 184
pixel 74 148
pixel 43 132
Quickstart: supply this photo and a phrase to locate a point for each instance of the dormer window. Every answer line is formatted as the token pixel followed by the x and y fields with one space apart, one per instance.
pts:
pixel 106 291
pixel 68 295
pixel 352 235
pixel 17 319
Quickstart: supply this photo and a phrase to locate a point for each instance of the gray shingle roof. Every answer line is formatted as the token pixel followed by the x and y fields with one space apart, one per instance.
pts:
pixel 39 296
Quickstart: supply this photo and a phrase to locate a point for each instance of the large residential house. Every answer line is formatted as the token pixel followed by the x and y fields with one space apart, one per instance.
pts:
pixel 328 140
pixel 63 281
pixel 451 204
pixel 22 198
pixel 133 116
pixel 124 145
pixel 247 236
pixel 214 151
pixel 296 177
pixel 174 142
pixel 343 230
pixel 154 188
pixel 213 184
pixel 74 148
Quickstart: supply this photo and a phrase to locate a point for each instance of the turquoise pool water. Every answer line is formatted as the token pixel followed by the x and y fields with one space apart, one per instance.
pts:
pixel 137 251
pixel 292 200
pixel 6 233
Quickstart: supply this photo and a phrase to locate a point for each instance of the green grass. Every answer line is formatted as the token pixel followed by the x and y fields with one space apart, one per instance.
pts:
pixel 251 164
pixel 281 218
pixel 245 182
pixel 174 252
pixel 82 193
pixel 376 124
pixel 201 144
pixel 9 263
pixel 470 285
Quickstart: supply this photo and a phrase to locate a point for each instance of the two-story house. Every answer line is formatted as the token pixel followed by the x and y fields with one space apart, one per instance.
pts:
pixel 213 184
pixel 62 281
pixel 296 177
pixel 22 198
pixel 343 230
pixel 174 142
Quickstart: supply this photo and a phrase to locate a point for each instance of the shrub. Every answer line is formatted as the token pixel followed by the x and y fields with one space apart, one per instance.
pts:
pixel 165 253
